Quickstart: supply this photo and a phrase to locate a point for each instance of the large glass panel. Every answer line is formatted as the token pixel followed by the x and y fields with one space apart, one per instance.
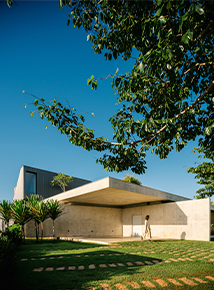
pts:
pixel 31 182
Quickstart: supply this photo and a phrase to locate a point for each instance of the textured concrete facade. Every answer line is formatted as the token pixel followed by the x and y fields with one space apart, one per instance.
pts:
pixel 86 221
pixel 188 220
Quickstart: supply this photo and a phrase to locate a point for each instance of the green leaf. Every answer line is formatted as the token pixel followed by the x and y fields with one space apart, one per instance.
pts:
pixel 158 13
pixel 185 38
pixel 36 102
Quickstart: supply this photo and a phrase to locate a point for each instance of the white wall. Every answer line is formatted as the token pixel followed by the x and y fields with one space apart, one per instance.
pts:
pixel 189 220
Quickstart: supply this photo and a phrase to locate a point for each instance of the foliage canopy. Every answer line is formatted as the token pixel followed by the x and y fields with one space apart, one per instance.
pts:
pixel 132 179
pixel 167 98
pixel 205 173
pixel 62 180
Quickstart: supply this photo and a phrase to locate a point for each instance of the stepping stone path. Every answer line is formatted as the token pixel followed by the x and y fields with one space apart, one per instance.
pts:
pixel 60 268
pixel 38 269
pixel 148 284
pixel 121 286
pixel 134 285
pixel 161 282
pixel 187 281
pixel 173 281
pixel 105 286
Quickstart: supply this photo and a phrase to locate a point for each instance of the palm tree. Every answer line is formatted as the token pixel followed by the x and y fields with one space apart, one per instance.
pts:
pixel 20 214
pixel 55 210
pixel 32 202
pixel 5 211
pixel 40 213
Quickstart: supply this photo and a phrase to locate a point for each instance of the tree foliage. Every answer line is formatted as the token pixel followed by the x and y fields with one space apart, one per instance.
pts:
pixel 167 98
pixel 21 214
pixel 205 173
pixel 131 179
pixel 5 211
pixel 61 180
pixel 55 210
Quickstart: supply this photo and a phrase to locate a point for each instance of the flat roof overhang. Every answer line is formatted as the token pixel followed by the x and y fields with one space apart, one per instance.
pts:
pixel 115 193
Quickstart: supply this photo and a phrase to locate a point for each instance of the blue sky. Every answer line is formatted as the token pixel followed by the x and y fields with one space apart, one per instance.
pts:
pixel 43 56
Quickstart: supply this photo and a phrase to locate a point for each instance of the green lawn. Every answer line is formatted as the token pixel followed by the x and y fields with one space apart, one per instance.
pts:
pixel 74 254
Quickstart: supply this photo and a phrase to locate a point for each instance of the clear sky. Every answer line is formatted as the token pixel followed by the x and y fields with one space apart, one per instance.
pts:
pixel 40 54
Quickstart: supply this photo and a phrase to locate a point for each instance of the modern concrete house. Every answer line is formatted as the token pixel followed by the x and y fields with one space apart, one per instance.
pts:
pixel 114 208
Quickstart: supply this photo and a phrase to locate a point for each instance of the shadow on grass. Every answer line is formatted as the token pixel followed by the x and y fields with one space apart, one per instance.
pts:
pixel 109 265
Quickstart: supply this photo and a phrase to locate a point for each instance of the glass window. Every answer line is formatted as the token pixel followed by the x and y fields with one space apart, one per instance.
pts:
pixel 30 182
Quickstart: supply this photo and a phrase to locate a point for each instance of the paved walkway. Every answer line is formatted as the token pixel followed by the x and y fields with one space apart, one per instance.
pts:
pixel 107 240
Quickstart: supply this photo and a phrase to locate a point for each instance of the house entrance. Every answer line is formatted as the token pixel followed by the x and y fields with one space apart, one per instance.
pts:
pixel 136 225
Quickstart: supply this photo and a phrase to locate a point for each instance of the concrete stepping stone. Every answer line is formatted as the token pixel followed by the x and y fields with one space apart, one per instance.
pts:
pixel 49 269
pixel 139 263
pixel 199 280
pixel 60 257
pixel 187 281
pixel 210 278
pixel 188 259
pixel 138 253
pixel 134 285
pixel 102 255
pixel 60 268
pixel 42 258
pixel 110 254
pixel 112 265
pixel 194 257
pixel 156 261
pixel 129 264
pixel 105 286
pixel 116 254
pixel 121 286
pixel 92 266
pixel 102 265
pixel 72 268
pixel 24 259
pixel 166 261
pixel 145 252
pixel 90 288
pixel 81 267
pixel 173 281
pixel 181 259
pixel 51 258
pixel 161 282
pixel 33 259
pixel 148 284
pixel 38 269
pixel 78 256
pixel 174 260
pixel 120 264
pixel 31 250
pixel 86 255
pixel 148 263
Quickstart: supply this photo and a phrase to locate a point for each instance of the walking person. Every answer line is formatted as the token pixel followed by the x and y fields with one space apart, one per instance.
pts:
pixel 147 231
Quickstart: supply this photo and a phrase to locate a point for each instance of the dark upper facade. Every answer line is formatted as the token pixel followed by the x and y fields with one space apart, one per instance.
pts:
pixel 37 181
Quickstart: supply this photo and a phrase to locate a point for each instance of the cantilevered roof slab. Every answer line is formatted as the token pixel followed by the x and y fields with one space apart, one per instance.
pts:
pixel 115 193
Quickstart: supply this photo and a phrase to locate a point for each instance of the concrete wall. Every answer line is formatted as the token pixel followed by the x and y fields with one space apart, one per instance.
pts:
pixel 84 221
pixel 189 220
pixel 43 183
pixel 19 189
